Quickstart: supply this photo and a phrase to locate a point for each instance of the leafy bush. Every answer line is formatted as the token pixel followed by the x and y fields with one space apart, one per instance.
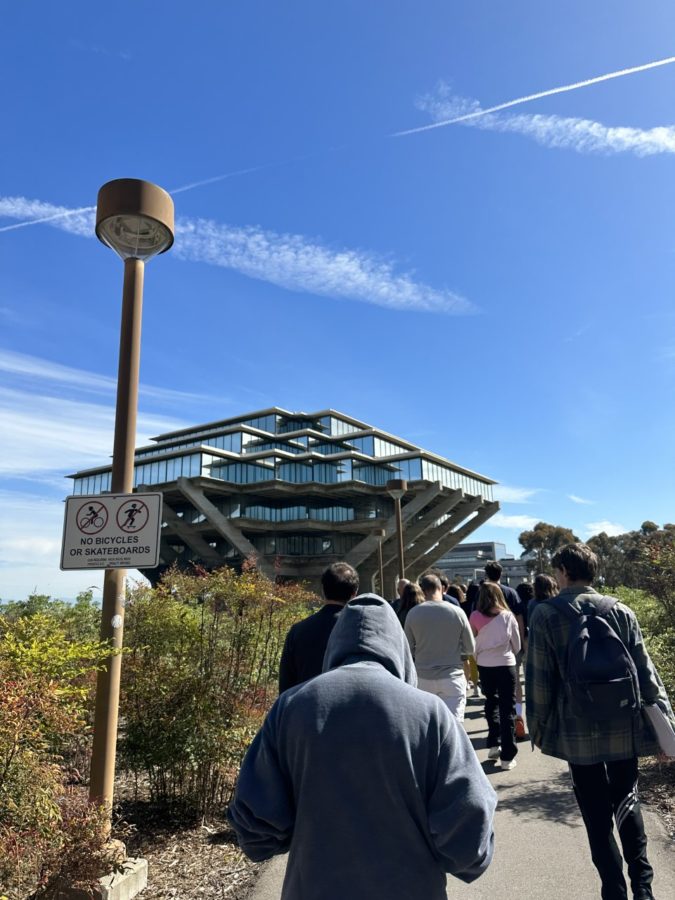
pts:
pixel 45 684
pixel 201 671
pixel 658 629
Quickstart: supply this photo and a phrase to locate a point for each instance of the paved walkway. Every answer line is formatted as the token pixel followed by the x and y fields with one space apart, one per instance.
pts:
pixel 541 851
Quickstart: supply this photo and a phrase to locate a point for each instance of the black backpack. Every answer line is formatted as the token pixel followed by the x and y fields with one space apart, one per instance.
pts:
pixel 601 680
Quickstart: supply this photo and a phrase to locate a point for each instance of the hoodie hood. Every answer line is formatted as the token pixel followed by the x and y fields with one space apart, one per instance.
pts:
pixel 368 630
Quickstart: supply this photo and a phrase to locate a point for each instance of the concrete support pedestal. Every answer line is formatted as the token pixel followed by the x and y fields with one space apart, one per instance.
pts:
pixel 122 885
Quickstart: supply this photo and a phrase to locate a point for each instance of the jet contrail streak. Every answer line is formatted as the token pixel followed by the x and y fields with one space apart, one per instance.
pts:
pixel 260 168
pixel 464 118
pixel 61 215
pixel 559 90
pixel 196 184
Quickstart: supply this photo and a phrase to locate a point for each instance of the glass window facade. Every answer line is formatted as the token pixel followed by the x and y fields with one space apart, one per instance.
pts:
pixel 162 464
pixel 305 544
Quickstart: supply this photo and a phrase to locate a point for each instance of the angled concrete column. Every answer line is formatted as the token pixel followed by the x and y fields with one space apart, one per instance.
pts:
pixel 456 537
pixel 368 546
pixel 192 538
pixel 167 554
pixel 432 515
pixel 224 526
pixel 434 535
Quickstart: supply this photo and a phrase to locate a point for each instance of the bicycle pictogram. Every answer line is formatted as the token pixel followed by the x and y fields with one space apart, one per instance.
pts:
pixel 133 516
pixel 92 517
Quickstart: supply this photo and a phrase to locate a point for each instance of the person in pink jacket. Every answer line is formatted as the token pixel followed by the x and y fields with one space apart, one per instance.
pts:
pixel 497 644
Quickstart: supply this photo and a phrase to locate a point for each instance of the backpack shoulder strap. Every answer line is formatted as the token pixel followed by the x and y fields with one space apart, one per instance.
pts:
pixel 561 604
pixel 604 605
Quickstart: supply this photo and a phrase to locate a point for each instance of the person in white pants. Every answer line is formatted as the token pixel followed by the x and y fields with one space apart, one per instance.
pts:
pixel 440 640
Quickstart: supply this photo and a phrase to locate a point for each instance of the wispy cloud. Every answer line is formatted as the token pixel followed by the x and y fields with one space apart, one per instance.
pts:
pixel 49 433
pixel 100 50
pixel 507 494
pixel 33 369
pixel 610 528
pixel 559 132
pixel 455 117
pixel 522 523
pixel 289 261
pixel 580 500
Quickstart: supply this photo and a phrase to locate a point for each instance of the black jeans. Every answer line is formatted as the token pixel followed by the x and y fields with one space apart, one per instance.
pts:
pixel 498 683
pixel 604 792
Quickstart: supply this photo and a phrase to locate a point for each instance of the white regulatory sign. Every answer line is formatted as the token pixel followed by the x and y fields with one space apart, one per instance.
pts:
pixel 112 531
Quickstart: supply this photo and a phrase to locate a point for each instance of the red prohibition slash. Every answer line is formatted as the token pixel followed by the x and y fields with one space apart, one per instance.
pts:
pixel 91 517
pixel 133 516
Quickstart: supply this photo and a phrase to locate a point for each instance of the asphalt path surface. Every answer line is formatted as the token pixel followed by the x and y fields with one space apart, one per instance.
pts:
pixel 541 850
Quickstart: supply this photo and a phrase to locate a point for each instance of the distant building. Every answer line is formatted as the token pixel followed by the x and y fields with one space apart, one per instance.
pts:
pixel 298 491
pixel 466 562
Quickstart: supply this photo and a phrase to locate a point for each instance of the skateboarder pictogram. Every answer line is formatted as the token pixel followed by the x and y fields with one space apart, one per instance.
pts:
pixel 132 516
pixel 92 517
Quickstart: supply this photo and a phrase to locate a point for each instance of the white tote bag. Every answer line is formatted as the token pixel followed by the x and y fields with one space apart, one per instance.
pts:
pixel 662 728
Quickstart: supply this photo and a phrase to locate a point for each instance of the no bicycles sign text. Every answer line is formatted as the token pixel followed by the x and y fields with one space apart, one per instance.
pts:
pixel 112 531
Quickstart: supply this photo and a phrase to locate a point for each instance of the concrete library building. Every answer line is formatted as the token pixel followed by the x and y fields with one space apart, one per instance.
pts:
pixel 297 491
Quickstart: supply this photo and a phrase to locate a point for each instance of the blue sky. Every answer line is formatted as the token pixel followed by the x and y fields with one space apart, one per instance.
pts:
pixel 499 291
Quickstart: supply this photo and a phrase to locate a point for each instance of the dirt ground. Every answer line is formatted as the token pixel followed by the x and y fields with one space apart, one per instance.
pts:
pixel 657 789
pixel 188 859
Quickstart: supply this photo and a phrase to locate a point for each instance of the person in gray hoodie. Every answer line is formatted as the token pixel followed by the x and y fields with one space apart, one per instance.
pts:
pixel 370 785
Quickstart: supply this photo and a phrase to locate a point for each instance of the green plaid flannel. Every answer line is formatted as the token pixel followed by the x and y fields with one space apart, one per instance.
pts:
pixel 551 727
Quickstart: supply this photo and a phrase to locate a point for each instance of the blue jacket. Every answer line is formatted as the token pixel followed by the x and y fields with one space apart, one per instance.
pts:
pixel 371 785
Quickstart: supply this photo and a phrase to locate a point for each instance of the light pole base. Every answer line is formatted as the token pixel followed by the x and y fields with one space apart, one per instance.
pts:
pixel 124 884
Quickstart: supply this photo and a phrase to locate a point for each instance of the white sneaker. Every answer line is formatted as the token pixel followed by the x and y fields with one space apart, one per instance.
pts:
pixel 476 690
pixel 510 764
pixel 493 752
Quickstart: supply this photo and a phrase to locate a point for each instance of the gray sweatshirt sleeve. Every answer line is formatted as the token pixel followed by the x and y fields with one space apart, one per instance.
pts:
pixel 410 635
pixel 262 811
pixel 461 808
pixel 468 643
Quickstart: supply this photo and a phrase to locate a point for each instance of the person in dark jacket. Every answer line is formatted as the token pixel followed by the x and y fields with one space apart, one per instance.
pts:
pixel 603 756
pixel 369 784
pixel 305 644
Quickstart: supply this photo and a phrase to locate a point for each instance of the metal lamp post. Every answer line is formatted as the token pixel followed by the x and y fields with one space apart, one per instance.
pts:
pixel 396 488
pixel 135 219
pixel 380 534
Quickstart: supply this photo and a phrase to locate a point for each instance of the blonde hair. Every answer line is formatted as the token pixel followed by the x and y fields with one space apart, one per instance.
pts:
pixel 490 598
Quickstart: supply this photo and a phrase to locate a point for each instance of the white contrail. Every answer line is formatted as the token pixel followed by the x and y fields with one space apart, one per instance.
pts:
pixel 247 171
pixel 215 178
pixel 60 215
pixel 558 90
pixel 453 121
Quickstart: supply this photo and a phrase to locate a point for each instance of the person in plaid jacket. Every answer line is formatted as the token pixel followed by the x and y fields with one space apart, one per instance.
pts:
pixel 603 758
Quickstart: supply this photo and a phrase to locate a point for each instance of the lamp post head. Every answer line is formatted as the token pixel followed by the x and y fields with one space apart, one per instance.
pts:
pixel 380 534
pixel 134 218
pixel 396 487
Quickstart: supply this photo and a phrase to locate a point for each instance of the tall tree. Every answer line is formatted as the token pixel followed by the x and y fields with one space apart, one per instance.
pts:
pixel 545 540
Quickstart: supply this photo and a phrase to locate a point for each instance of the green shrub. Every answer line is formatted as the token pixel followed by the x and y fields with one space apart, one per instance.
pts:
pixel 658 629
pixel 201 671
pixel 45 685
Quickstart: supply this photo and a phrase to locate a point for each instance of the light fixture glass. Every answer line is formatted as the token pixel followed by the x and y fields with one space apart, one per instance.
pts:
pixel 134 236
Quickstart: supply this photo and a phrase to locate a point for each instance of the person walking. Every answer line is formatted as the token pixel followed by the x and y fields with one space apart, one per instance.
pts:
pixel 440 640
pixel 493 571
pixel 497 645
pixel 305 644
pixel 545 587
pixel 412 596
pixel 371 786
pixel 599 730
